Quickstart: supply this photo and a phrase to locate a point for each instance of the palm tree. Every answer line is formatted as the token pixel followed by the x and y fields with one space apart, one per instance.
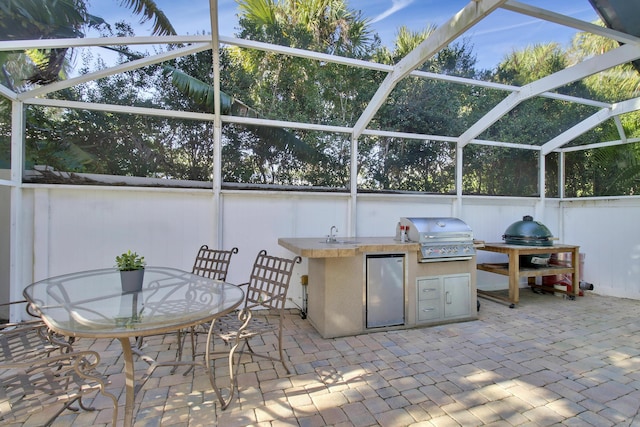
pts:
pixel 56 19
pixel 51 19
pixel 329 25
pixel 620 82
pixel 280 82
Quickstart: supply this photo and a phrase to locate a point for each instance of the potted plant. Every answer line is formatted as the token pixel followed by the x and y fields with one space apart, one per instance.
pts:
pixel 131 266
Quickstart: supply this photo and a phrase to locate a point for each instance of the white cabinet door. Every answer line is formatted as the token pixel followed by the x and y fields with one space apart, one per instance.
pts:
pixel 456 295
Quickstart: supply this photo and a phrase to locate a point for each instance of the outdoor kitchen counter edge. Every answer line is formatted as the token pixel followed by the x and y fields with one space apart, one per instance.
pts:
pixel 316 247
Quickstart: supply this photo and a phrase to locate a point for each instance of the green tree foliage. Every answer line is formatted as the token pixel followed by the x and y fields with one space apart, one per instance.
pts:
pixel 5 134
pixel 611 170
pixel 537 121
pixel 418 105
pixel 263 84
pixel 34 19
pixel 296 89
pixel 46 19
pixel 125 144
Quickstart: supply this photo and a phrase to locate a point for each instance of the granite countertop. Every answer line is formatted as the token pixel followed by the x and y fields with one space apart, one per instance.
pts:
pixel 317 247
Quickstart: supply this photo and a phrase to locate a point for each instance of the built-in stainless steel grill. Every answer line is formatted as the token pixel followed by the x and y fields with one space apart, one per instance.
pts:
pixel 441 239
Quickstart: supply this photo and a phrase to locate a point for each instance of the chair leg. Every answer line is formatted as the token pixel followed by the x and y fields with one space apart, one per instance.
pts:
pixel 180 338
pixel 192 336
pixel 280 349
pixel 266 356
pixel 224 403
pixel 233 382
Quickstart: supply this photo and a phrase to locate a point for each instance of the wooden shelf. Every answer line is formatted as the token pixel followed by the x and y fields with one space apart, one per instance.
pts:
pixel 503 269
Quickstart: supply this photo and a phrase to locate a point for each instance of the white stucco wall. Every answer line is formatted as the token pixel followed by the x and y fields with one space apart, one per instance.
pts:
pixel 85 228
pixel 77 228
pixel 610 239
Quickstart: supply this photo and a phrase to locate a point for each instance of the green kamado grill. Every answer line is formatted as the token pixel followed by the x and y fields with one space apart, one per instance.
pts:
pixel 529 233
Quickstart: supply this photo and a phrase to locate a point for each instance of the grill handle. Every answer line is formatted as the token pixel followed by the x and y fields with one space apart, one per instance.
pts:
pixel 443 259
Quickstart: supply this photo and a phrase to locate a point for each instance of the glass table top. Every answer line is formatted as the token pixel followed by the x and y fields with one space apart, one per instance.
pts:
pixel 92 304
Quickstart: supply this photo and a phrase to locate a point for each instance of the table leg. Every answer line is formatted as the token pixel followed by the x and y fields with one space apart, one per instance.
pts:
pixel 244 316
pixel 575 278
pixel 130 395
pixel 211 370
pixel 514 277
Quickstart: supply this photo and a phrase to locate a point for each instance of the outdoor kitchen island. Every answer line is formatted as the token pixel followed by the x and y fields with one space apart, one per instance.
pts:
pixel 337 299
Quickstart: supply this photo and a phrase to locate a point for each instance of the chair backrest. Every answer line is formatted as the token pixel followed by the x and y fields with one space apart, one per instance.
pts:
pixel 32 340
pixel 213 263
pixel 269 281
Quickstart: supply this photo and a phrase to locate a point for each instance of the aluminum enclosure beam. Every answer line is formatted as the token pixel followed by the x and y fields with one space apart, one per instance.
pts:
pixel 472 13
pixel 17 219
pixel 216 170
pixel 127 66
pixel 265 47
pixel 621 132
pixel 8 93
pixel 591 122
pixel 593 65
pixel 568 21
pixel 599 145
pixel 375 66
pixel 61 43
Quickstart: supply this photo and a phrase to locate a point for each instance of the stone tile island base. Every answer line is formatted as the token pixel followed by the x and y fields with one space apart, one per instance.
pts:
pixel 434 292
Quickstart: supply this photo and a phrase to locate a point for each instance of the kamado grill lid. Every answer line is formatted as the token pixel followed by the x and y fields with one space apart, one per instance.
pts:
pixel 528 233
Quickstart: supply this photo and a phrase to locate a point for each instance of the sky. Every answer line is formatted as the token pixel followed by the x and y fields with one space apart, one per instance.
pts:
pixel 492 39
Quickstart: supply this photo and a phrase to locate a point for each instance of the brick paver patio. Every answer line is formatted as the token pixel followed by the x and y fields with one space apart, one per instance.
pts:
pixel 550 361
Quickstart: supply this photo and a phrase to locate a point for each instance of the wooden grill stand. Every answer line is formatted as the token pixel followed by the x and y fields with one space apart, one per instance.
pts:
pixel 515 271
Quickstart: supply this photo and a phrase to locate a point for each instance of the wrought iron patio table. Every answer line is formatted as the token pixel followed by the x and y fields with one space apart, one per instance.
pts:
pixel 91 304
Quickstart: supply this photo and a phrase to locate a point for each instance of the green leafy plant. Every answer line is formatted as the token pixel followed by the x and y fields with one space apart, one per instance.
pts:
pixel 129 261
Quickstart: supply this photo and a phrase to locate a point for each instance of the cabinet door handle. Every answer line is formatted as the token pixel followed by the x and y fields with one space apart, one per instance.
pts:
pixel 448 297
pixel 429 290
pixel 428 309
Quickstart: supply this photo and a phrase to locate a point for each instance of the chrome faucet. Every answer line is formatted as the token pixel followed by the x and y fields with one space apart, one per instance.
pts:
pixel 332 237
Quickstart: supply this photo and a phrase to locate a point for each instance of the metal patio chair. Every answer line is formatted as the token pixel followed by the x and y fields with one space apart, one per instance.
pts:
pixel 209 263
pixel 34 319
pixel 212 264
pixel 39 369
pixel 266 289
